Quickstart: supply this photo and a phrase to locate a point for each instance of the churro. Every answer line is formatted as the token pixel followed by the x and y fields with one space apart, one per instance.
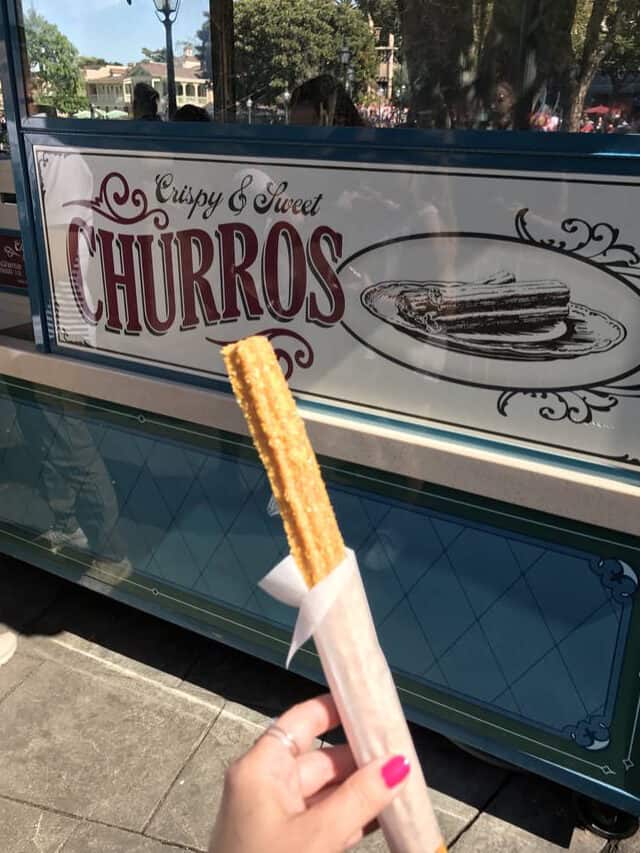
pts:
pixel 280 436
pixel 354 665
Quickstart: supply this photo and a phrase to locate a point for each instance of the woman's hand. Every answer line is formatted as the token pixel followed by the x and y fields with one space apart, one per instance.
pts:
pixel 296 799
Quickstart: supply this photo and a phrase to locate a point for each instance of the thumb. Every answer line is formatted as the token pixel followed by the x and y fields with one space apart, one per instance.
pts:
pixel 359 800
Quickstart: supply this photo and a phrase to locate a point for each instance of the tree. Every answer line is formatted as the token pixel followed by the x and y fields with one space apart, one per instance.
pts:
pixel 498 58
pixel 598 24
pixel 350 27
pixel 203 48
pixel 440 53
pixel 53 61
pixel 384 14
pixel 622 63
pixel 149 55
pixel 92 62
pixel 281 43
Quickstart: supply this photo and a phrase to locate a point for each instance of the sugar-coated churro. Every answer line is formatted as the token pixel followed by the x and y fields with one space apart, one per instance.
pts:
pixel 353 662
pixel 286 452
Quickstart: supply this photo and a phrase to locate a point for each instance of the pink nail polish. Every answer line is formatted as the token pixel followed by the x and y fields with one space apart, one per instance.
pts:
pixel 395 770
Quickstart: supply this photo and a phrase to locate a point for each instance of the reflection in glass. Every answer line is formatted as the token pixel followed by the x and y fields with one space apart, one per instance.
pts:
pixel 323 101
pixel 85 61
pixel 167 12
pixel 145 102
pixel 76 487
pixel 483 65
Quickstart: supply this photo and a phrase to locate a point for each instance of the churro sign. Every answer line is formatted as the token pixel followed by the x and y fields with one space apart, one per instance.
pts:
pixel 468 300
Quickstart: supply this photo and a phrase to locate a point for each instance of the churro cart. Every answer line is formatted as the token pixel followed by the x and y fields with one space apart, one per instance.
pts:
pixel 455 301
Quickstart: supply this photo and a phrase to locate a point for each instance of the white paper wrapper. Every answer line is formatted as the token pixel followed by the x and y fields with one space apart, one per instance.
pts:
pixel 336 613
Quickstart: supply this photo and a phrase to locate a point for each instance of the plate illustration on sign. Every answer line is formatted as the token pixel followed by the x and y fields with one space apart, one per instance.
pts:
pixel 488 310
pixel 496 311
pixel 496 317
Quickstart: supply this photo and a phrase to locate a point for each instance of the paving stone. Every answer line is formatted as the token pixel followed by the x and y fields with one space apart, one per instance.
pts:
pixel 250 681
pixel 187 815
pixel 27 829
pixel 78 743
pixel 247 716
pixel 492 835
pixel 114 632
pixel 94 838
pixel 460 784
pixel 629 845
pixel 15 671
pixel 528 816
pixel 25 592
pixel 80 657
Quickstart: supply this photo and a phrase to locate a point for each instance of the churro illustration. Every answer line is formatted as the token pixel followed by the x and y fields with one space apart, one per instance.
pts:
pixel 285 450
pixel 499 303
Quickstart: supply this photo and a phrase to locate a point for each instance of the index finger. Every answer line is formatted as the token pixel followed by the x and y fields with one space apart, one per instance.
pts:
pixel 306 721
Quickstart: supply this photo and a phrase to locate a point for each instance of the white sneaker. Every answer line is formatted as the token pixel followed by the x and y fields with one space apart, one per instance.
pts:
pixel 116 570
pixel 57 539
pixel 8 646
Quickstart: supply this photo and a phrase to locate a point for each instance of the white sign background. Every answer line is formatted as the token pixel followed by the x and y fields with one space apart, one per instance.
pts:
pixel 399 224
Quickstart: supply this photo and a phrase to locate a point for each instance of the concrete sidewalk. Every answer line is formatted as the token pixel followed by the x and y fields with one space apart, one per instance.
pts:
pixel 116 728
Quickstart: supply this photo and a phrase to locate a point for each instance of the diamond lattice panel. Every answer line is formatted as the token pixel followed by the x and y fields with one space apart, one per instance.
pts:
pixel 529 628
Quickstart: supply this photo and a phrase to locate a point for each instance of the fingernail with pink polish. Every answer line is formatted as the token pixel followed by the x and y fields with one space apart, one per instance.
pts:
pixel 395 770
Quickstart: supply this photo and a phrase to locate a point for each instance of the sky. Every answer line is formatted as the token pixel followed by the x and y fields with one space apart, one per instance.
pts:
pixel 115 31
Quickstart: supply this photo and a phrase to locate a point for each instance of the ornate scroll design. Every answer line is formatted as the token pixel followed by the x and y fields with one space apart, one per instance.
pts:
pixel 302 356
pixel 592 733
pixel 115 193
pixel 620 582
pixel 597 242
pixel 576 406
pixel 618 578
pixel 600 244
pixel 14 251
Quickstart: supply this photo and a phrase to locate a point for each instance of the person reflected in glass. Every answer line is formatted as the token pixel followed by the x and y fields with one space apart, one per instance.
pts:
pixel 502 107
pixel 322 101
pixel 76 486
pixel 191 112
pixel 587 125
pixel 145 102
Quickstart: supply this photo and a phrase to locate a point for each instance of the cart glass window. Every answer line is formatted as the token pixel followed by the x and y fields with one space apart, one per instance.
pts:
pixel 107 59
pixel 483 65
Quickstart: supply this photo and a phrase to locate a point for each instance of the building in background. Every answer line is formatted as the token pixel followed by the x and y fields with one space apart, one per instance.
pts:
pixel 387 64
pixel 110 87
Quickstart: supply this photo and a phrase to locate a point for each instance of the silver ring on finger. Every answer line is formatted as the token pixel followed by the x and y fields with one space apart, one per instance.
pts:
pixel 285 739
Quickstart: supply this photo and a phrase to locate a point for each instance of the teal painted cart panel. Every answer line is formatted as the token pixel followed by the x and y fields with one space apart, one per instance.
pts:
pixel 504 629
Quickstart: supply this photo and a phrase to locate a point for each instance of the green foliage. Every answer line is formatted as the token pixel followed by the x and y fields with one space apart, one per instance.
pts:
pixel 623 59
pixel 54 64
pixel 384 14
pixel 455 54
pixel 469 58
pixel 281 43
pixel 203 48
pixel 159 55
pixel 93 62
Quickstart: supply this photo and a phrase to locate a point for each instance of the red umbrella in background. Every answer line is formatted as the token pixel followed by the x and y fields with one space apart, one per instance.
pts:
pixel 600 110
